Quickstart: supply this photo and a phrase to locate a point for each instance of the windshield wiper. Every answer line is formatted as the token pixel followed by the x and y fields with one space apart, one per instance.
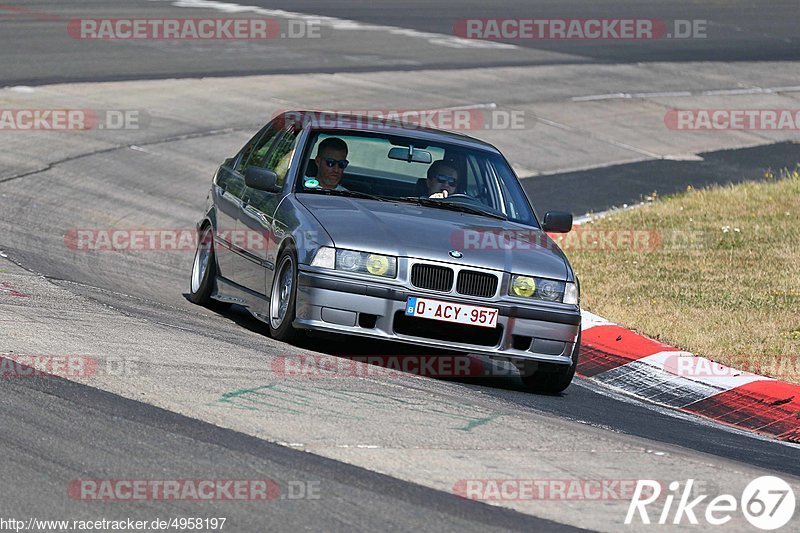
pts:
pixel 464 208
pixel 351 194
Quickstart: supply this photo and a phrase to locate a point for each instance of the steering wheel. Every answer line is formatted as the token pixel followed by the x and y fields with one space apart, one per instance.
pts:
pixel 461 198
pixel 438 196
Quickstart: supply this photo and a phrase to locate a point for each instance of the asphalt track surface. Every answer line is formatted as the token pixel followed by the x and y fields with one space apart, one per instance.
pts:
pixel 737 30
pixel 107 432
pixel 54 430
pixel 619 185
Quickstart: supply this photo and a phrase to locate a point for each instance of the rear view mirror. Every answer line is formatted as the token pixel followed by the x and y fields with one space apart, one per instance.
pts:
pixel 411 155
pixel 557 222
pixel 261 179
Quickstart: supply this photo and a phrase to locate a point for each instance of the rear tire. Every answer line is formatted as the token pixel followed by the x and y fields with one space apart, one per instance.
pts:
pixel 204 272
pixel 550 380
pixel 283 296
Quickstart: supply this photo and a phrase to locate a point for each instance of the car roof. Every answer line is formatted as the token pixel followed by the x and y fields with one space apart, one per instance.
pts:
pixel 345 122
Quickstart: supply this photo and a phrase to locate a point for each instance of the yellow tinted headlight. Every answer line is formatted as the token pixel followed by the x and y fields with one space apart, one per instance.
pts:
pixel 366 263
pixel 523 286
pixel 377 265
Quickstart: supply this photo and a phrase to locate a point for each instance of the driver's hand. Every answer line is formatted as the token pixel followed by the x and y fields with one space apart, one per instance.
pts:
pixel 440 194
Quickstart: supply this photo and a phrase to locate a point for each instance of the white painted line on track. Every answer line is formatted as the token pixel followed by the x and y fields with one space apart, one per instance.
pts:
pixel 733 92
pixel 710 92
pixel 593 97
pixel 609 141
pixel 489 105
pixel 439 39
pixel 660 94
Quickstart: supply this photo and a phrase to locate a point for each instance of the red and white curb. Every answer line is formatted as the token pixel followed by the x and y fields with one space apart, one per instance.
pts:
pixel 653 371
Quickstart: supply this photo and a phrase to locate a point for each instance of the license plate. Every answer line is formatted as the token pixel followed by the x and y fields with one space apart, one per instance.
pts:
pixel 472 315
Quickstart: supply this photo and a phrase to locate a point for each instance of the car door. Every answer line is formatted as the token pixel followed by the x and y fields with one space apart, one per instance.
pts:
pixel 227 195
pixel 257 221
pixel 230 203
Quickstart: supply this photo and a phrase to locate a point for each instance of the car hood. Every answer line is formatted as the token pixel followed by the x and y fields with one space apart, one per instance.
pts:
pixel 409 230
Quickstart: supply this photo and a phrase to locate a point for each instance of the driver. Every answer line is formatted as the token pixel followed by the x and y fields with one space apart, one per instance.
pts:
pixel 442 180
pixel 331 161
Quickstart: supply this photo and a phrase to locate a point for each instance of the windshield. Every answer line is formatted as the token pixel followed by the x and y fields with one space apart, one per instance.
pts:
pixel 403 169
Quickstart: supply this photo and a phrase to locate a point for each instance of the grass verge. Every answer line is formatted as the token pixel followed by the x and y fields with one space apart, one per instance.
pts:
pixel 713 271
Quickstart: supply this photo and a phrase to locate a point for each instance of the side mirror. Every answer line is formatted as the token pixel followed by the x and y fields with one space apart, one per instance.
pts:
pixel 261 179
pixel 557 222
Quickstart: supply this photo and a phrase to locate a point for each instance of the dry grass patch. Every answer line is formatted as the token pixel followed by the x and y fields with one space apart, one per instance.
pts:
pixel 714 271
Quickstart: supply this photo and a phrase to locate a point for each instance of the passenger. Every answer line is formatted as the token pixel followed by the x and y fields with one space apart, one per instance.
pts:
pixel 442 180
pixel 331 161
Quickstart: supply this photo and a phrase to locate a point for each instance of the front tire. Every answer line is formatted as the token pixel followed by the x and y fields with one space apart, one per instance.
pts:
pixel 283 297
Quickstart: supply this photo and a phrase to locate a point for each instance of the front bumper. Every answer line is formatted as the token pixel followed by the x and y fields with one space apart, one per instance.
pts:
pixel 359 307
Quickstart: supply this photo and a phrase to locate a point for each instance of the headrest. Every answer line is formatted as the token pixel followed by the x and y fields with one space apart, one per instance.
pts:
pixel 311 169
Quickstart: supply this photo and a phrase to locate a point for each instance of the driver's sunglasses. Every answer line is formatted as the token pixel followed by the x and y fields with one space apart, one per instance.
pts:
pixel 450 180
pixel 341 162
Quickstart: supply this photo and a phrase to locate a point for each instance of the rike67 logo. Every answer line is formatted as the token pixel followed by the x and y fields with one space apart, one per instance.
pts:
pixel 767 502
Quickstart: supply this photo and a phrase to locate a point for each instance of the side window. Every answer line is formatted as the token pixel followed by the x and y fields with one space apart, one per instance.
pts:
pixel 277 160
pixel 247 151
pixel 231 182
pixel 256 150
pixel 280 154
pixel 235 185
pixel 264 145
